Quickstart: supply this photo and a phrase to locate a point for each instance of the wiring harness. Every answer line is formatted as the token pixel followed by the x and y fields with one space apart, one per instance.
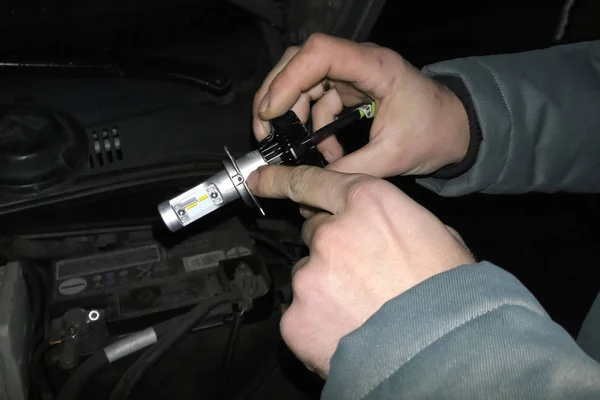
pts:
pixel 162 337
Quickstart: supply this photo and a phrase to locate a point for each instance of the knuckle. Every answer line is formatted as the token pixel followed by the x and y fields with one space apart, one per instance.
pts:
pixel 318 43
pixel 266 181
pixel 288 323
pixel 325 237
pixel 324 234
pixel 302 282
pixel 301 263
pixel 258 96
pixel 385 56
pixel 299 178
pixel 363 189
pixel 391 66
pixel 276 81
pixel 290 52
pixel 306 229
pixel 456 235
pixel 371 45
pixel 257 99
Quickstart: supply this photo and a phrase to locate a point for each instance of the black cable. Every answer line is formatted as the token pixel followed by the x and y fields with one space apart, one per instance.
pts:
pixel 273 245
pixel 92 365
pixel 40 380
pixel 35 370
pixel 303 147
pixel 334 127
pixel 255 392
pixel 35 291
pixel 263 376
pixel 236 327
pixel 82 375
pixel 136 372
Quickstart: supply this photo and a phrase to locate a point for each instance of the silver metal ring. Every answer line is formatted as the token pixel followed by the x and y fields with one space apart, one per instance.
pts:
pixel 244 192
pixel 94 315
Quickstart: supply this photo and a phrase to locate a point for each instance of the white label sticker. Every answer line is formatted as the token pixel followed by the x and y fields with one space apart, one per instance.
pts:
pixel 193 205
pixel 72 286
pixel 201 261
pixel 239 251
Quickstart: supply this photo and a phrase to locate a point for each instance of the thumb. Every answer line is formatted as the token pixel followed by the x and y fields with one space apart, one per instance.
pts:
pixel 370 159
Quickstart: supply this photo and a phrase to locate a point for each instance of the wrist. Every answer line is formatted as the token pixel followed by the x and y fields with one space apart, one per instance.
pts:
pixel 461 124
pixel 459 131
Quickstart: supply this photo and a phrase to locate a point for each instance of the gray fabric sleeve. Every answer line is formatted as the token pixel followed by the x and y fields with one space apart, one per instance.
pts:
pixel 589 334
pixel 539 114
pixel 473 332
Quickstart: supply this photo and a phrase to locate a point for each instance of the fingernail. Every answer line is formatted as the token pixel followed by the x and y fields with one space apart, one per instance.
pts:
pixel 306 212
pixel 252 180
pixel 259 130
pixel 264 104
pixel 308 367
pixel 328 156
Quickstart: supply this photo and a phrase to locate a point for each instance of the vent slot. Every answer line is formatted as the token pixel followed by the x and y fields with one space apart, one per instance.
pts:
pixel 106 147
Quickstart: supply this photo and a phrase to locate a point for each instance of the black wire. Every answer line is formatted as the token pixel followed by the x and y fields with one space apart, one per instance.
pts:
pixel 136 372
pixel 35 291
pixel 82 375
pixel 332 128
pixel 256 391
pixel 264 376
pixel 236 327
pixel 36 370
pixel 273 245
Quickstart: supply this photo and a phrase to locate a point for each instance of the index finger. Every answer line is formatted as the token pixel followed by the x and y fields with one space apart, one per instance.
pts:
pixel 325 57
pixel 311 186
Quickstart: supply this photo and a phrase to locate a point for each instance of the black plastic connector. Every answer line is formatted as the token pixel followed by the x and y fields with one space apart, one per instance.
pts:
pixel 288 143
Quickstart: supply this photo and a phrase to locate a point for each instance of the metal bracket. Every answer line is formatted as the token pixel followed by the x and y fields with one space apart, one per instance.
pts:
pixel 239 182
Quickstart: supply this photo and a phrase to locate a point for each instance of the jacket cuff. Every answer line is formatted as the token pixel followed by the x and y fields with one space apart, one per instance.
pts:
pixel 494 119
pixel 457 86
pixel 409 323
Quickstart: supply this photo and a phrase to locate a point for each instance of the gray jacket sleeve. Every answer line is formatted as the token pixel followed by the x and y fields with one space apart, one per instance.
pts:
pixel 476 332
pixel 473 332
pixel 539 114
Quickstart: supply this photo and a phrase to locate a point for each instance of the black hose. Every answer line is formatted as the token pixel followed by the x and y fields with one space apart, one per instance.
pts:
pixel 82 375
pixel 78 379
pixel 136 371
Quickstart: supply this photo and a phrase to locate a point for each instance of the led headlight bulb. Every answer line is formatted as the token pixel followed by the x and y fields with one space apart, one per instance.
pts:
pixel 288 143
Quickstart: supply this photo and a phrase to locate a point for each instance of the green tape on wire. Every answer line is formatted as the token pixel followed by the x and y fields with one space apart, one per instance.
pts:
pixel 366 110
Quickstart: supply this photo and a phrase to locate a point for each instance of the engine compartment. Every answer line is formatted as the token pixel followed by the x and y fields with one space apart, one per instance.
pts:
pixel 91 143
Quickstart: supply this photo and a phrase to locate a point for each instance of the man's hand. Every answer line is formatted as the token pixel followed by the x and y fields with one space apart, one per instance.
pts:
pixel 371 243
pixel 420 125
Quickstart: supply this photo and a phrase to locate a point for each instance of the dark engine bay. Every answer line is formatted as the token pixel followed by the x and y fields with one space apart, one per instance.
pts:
pixel 108 109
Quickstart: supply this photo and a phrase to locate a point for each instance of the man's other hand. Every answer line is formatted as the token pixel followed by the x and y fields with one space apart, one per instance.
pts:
pixel 420 125
pixel 370 243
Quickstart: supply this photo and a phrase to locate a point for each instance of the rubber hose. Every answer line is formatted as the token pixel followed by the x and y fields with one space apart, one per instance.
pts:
pixel 136 371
